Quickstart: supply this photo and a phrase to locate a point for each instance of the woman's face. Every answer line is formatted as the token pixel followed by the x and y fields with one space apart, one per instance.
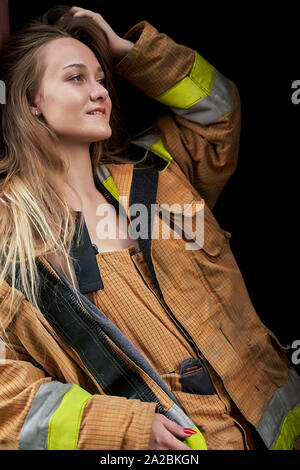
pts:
pixel 69 93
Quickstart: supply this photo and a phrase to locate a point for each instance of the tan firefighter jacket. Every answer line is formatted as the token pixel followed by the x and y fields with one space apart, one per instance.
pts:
pixel 170 328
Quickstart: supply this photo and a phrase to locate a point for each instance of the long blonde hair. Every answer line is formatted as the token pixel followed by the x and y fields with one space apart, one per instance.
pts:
pixel 35 218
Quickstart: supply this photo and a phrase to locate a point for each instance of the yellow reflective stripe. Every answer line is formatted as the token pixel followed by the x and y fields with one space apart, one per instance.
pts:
pixel 65 422
pixel 190 89
pixel 159 149
pixel 111 187
pixel 290 430
pixel 196 441
pixel 202 74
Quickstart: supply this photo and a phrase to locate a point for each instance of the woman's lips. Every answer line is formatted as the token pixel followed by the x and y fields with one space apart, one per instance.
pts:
pixel 97 115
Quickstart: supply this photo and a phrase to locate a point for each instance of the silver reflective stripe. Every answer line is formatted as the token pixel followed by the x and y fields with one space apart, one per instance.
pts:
pixel 103 173
pixel 146 141
pixel 212 107
pixel 35 428
pixel 178 415
pixel 285 399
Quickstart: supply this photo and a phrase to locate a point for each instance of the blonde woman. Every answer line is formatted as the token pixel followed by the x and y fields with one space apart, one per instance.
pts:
pixel 121 327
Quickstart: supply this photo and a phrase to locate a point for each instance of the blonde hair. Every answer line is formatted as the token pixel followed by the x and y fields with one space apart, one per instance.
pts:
pixel 35 216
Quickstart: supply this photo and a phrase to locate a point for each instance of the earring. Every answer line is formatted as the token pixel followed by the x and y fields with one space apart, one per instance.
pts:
pixel 36 113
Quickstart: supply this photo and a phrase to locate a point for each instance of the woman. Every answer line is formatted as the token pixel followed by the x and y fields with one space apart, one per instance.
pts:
pixel 125 331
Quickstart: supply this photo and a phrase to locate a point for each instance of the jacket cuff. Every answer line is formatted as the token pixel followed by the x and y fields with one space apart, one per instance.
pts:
pixel 155 62
pixel 116 423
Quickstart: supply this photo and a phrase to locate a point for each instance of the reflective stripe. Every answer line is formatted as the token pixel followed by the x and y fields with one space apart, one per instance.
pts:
pixel 146 141
pixel 103 173
pixel 154 144
pixel 202 97
pixel 159 149
pixel 196 441
pixel 65 422
pixel 276 426
pixel 212 107
pixel 175 413
pixel 290 430
pixel 34 431
pixel 191 88
pixel 106 179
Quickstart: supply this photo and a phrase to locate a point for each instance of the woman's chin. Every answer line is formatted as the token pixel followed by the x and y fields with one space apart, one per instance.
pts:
pixel 103 135
pixel 97 136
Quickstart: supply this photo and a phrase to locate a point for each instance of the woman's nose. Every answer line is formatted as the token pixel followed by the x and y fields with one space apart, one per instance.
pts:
pixel 99 91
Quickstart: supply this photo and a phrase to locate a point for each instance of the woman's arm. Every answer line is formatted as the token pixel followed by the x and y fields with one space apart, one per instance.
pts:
pixel 4 22
pixel 41 413
pixel 202 131
pixel 201 127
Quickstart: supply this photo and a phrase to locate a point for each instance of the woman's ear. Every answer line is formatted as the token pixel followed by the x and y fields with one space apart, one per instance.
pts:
pixel 35 111
pixel 33 105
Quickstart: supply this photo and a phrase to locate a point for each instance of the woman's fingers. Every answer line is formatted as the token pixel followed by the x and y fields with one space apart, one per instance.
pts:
pixel 77 11
pixel 118 45
pixel 164 435
pixel 176 444
pixel 177 430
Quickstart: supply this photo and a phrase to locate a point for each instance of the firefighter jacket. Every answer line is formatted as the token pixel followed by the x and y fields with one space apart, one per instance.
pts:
pixel 169 329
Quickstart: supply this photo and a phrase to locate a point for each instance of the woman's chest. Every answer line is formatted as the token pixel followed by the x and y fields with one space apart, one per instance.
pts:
pixel 107 228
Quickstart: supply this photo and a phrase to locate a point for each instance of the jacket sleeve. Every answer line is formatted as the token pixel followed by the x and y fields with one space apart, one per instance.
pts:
pixel 201 128
pixel 39 412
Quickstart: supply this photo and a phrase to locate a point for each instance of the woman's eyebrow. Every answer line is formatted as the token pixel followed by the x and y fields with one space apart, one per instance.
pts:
pixel 81 66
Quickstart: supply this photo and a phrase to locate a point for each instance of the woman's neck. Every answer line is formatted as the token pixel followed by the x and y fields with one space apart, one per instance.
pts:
pixel 79 176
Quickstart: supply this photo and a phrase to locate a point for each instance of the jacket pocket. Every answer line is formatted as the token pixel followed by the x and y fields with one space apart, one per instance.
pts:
pixel 195 378
pixel 215 238
pixel 196 225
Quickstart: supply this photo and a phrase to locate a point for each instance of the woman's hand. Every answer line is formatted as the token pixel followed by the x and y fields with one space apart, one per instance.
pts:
pixel 118 45
pixel 163 434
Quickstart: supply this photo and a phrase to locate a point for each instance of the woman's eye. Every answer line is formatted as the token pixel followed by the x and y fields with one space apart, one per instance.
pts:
pixel 78 78
pixel 74 78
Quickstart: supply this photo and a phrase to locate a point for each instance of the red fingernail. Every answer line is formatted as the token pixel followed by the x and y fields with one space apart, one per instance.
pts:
pixel 189 431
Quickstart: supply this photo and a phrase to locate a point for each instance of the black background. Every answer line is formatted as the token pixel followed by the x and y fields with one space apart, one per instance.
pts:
pixel 257 49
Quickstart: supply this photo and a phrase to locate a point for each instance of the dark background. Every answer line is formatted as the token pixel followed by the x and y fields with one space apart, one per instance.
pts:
pixel 257 49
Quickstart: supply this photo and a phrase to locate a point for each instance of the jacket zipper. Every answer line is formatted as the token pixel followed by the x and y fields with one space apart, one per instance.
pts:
pixel 71 297
pixel 111 198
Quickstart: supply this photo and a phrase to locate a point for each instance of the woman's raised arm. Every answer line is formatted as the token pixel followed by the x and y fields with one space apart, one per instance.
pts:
pixel 201 127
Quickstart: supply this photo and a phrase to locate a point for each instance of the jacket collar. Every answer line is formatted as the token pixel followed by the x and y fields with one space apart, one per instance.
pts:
pixel 131 184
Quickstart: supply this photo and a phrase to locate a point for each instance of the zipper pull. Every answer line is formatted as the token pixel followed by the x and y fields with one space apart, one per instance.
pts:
pixel 95 248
